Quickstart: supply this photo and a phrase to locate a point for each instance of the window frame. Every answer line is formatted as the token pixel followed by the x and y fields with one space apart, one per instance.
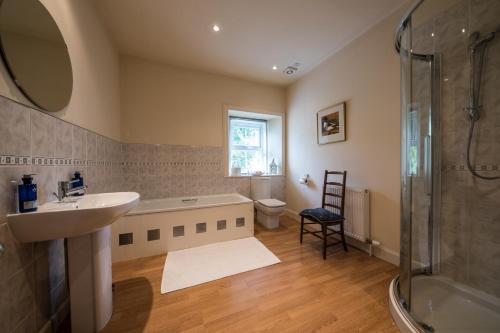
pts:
pixel 263 141
pixel 227 108
pixel 413 140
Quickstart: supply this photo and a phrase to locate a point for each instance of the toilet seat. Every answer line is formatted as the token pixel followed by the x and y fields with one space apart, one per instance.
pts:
pixel 268 212
pixel 271 203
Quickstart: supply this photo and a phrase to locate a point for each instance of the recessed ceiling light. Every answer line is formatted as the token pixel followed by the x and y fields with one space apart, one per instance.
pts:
pixel 275 67
pixel 215 28
pixel 463 30
pixel 432 34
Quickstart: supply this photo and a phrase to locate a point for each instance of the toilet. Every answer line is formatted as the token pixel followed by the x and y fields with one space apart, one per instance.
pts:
pixel 268 210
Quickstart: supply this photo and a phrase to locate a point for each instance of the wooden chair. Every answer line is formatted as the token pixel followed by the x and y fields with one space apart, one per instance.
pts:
pixel 330 214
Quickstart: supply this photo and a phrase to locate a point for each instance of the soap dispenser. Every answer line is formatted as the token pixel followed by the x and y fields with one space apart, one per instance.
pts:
pixel 77 176
pixel 77 182
pixel 27 193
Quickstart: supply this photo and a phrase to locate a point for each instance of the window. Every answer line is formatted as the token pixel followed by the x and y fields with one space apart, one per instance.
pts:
pixel 413 137
pixel 253 141
pixel 248 144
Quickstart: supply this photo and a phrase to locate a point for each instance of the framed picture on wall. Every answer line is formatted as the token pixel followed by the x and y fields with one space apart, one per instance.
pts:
pixel 331 124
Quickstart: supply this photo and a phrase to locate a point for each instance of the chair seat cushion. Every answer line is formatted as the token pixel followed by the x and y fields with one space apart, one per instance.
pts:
pixel 321 215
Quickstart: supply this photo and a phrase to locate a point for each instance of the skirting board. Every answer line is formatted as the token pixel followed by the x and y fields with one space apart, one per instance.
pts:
pixel 378 251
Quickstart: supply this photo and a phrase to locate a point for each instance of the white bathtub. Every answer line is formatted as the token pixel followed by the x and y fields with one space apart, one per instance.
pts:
pixel 184 203
pixel 157 226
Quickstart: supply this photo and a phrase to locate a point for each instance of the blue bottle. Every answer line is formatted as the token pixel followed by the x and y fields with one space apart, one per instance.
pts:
pixel 27 195
pixel 79 181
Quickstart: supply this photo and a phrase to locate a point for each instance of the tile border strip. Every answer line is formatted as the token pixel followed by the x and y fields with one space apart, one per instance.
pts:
pixel 478 167
pixel 10 160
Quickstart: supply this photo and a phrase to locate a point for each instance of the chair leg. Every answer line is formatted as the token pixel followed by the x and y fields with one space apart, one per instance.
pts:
pixel 301 228
pixel 324 229
pixel 344 243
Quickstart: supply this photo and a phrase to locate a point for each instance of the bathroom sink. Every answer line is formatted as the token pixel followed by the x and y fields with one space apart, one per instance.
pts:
pixel 75 216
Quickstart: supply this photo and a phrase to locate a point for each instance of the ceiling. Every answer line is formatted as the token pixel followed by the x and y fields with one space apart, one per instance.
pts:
pixel 255 35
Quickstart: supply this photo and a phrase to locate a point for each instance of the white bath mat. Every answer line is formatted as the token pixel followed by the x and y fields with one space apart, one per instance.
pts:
pixel 197 265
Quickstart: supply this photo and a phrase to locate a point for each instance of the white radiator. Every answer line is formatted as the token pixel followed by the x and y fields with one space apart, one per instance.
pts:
pixel 356 212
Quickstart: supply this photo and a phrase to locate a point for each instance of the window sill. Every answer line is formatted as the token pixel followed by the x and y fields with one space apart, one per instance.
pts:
pixel 248 176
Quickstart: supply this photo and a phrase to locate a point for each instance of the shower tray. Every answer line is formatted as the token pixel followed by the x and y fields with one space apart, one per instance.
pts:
pixel 445 306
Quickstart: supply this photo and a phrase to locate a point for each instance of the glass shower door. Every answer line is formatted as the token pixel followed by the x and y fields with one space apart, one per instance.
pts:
pixel 405 248
pixel 420 167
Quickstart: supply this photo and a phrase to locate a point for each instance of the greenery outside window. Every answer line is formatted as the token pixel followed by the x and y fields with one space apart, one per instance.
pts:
pixel 253 142
pixel 248 144
pixel 413 148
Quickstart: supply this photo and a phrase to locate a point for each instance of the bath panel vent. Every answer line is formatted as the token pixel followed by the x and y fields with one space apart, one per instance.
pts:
pixel 240 222
pixel 178 231
pixel 125 239
pixel 201 228
pixel 153 235
pixel 221 225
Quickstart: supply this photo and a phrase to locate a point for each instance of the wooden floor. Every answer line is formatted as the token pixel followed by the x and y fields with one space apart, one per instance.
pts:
pixel 346 293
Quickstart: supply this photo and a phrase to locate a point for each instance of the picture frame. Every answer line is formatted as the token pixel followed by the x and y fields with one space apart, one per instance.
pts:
pixel 331 124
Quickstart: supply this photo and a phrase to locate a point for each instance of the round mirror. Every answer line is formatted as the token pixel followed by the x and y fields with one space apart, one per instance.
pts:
pixel 35 54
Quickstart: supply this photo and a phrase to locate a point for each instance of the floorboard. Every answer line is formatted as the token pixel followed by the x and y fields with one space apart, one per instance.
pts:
pixel 346 293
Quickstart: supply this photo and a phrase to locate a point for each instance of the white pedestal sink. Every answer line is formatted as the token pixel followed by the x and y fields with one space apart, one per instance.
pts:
pixel 85 222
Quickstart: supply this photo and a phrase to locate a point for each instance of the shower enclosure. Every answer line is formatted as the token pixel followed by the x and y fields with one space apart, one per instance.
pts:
pixel 449 277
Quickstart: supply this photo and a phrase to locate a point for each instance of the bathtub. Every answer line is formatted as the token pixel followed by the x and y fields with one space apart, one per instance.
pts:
pixel 160 225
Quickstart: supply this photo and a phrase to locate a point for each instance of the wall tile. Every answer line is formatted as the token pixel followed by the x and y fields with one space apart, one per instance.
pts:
pixel 58 296
pixel 469 211
pixel 46 179
pixel 42 292
pixel 14 129
pixel 91 178
pixel 16 256
pixel 100 148
pixel 57 267
pixel 79 143
pixel 7 188
pixel 171 153
pixel 484 15
pixel 21 296
pixel 91 146
pixel 64 144
pixel 157 171
pixel 43 134
pixel 278 187
pixel 26 326
pixel 4 306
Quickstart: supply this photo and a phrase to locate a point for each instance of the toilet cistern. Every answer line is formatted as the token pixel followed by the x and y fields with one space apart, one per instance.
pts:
pixel 268 209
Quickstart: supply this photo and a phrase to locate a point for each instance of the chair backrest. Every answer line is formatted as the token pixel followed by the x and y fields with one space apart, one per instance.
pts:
pixel 334 191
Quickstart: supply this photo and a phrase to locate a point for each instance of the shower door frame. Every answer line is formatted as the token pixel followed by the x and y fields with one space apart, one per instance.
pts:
pixel 432 170
pixel 433 178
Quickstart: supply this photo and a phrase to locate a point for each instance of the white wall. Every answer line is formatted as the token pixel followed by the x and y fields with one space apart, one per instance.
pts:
pixel 365 74
pixel 275 140
pixel 95 101
pixel 170 105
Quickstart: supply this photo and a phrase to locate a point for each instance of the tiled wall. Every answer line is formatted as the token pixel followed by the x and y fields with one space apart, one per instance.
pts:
pixel 160 171
pixel 33 284
pixel 470 217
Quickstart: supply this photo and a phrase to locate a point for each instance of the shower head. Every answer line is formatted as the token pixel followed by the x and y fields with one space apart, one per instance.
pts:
pixel 477 52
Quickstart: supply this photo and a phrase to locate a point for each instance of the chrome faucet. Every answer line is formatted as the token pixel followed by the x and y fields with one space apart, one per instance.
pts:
pixel 65 189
